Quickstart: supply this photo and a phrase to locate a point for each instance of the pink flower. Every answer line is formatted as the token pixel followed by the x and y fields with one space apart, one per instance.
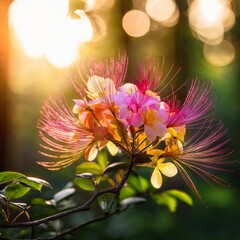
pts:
pixel 133 118
pixel 154 123
pixel 138 109
pixel 196 108
pixel 65 138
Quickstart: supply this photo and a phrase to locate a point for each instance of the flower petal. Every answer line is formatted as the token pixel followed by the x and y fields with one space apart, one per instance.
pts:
pixel 91 153
pixel 162 115
pixel 154 130
pixel 168 169
pixel 99 87
pixel 156 178
pixel 155 154
pixel 112 148
pixel 136 120
pixel 150 132
pixel 128 88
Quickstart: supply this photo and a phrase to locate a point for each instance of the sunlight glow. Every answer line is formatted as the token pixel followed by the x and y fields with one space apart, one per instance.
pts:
pixel 80 28
pixel 43 28
pixel 219 55
pixel 210 19
pixel 98 5
pixel 136 23
pixel 163 11
pixel 62 53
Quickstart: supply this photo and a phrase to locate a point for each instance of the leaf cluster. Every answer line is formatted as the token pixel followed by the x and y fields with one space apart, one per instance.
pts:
pixel 16 185
pixel 113 186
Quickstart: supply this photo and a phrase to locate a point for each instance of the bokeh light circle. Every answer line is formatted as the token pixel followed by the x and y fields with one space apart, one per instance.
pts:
pixel 136 23
pixel 219 55
pixel 160 10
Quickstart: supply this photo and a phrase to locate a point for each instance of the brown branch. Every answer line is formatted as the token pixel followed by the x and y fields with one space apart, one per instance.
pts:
pixel 86 223
pixel 84 207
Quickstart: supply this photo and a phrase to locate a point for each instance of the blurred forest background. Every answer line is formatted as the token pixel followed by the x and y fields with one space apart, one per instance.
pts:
pixel 41 43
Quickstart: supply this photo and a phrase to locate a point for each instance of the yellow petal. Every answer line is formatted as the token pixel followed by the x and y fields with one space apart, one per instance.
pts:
pixel 98 87
pixel 168 169
pixel 156 153
pixel 167 135
pixel 91 153
pixel 172 131
pixel 75 108
pixel 172 148
pixel 142 139
pixel 160 160
pixel 156 178
pixel 181 134
pixel 112 148
pixel 180 145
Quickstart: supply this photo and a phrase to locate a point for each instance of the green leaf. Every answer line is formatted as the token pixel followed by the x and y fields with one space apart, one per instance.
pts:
pixel 90 167
pixel 15 190
pixel 39 202
pixel 10 176
pixel 180 195
pixel 30 184
pixel 22 234
pixel 40 181
pixel 85 175
pixel 59 196
pixel 132 200
pixel 84 183
pixel 34 183
pixel 102 202
pixel 169 198
pixel 143 183
pixel 112 205
pixel 138 182
pixel 102 159
pixel 127 192
pixel 22 206
pixel 115 166
pixel 166 200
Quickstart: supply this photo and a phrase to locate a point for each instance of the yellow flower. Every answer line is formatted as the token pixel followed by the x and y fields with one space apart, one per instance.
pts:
pixel 167 169
pixel 174 140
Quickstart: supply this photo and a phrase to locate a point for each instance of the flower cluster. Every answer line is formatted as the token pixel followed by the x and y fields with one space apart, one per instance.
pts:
pixel 135 119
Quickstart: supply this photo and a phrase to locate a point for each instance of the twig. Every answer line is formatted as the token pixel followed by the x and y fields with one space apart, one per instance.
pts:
pixel 84 207
pixel 86 223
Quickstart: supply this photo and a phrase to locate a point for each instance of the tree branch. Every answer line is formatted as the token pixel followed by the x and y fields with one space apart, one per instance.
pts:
pixel 82 225
pixel 84 207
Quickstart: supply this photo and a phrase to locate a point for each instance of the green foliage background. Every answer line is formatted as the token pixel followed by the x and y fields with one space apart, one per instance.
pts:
pixel 220 219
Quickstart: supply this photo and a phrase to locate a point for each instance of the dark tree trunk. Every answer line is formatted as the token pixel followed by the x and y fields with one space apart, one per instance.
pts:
pixel 4 44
